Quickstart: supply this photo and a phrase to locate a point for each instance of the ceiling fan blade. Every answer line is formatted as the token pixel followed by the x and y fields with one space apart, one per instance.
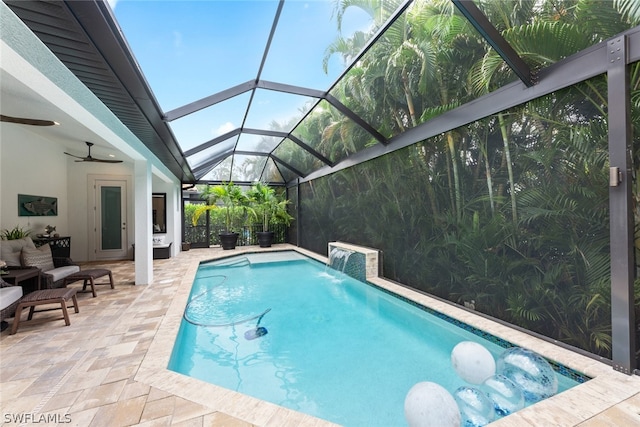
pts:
pixel 25 121
pixel 92 159
pixel 107 161
pixel 73 155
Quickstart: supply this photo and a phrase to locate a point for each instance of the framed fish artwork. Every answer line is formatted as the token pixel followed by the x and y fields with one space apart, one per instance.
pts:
pixel 37 205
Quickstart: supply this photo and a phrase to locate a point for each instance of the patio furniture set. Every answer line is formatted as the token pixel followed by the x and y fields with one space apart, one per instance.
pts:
pixel 26 263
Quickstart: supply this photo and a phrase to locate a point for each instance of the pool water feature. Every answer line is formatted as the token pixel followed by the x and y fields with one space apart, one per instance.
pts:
pixel 338 258
pixel 336 348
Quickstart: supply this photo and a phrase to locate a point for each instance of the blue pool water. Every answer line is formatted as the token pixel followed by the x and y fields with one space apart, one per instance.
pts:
pixel 328 345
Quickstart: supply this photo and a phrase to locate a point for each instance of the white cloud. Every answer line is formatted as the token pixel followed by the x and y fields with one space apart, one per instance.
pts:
pixel 227 127
pixel 113 4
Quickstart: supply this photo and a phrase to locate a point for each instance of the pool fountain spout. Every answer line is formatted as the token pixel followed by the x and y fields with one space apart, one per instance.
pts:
pixel 338 258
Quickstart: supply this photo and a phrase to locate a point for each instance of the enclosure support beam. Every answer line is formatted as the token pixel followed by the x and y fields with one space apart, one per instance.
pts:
pixel 620 207
pixel 486 29
pixel 297 188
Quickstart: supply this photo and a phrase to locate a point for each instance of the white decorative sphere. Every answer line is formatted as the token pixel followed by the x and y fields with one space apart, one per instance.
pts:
pixel 472 362
pixel 506 396
pixel 430 405
pixel 476 409
pixel 530 371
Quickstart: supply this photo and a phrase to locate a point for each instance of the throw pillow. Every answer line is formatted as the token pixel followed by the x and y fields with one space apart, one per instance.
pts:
pixel 38 257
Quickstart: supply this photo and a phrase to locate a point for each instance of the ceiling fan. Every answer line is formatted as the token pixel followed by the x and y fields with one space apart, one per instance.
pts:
pixel 25 121
pixel 91 159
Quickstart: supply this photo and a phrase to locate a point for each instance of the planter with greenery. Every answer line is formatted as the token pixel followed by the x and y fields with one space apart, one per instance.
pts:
pixel 268 207
pixel 15 233
pixel 232 199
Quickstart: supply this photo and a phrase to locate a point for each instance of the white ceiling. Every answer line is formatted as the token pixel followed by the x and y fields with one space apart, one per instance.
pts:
pixel 19 100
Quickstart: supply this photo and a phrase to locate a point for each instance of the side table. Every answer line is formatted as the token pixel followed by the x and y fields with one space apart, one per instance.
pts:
pixel 60 246
pixel 17 276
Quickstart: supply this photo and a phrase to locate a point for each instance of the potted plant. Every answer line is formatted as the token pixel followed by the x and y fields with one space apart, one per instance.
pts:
pixel 267 207
pixel 15 233
pixel 230 197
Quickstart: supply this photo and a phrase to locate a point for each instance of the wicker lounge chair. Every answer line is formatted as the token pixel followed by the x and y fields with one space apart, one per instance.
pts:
pixel 46 297
pixel 9 297
pixel 55 278
pixel 22 253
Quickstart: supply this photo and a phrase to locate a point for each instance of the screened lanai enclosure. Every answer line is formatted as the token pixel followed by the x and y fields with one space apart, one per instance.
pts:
pixel 488 148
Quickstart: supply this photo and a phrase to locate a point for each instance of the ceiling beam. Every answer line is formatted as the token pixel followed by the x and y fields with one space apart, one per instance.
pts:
pixel 356 118
pixel 209 101
pixel 276 20
pixel 265 132
pixel 379 33
pixel 295 90
pixel 486 29
pixel 299 142
pixel 203 169
pixel 582 66
pixel 212 142
pixel 277 160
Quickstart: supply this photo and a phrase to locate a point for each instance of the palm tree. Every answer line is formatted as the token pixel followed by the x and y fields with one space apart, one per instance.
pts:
pixel 559 144
pixel 268 206
pixel 529 241
pixel 231 197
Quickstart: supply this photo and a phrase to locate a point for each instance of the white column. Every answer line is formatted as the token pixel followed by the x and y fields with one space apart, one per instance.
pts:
pixel 174 217
pixel 143 222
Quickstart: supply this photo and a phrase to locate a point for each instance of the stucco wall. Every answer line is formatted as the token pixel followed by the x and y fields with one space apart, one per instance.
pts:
pixel 34 166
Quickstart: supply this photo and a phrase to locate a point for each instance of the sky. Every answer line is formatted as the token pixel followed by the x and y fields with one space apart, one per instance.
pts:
pixel 188 50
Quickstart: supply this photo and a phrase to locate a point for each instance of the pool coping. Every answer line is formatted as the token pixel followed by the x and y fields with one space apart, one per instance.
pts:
pixel 606 388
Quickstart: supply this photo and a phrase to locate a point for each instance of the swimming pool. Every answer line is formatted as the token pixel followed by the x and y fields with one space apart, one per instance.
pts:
pixel 335 348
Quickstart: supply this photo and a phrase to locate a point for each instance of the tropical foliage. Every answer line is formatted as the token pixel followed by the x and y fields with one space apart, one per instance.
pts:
pixel 510 212
pixel 227 207
pixel 268 206
pixel 229 197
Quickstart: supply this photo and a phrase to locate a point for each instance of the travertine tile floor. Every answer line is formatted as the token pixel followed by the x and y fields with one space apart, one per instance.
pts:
pixel 108 368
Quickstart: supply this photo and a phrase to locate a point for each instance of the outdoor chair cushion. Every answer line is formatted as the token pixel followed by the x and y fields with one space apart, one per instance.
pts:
pixel 9 295
pixel 62 272
pixel 11 250
pixel 55 278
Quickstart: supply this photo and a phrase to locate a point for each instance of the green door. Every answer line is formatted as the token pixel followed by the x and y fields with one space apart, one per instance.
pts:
pixel 111 220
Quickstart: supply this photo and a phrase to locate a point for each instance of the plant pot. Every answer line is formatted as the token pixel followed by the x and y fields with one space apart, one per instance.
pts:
pixel 186 246
pixel 228 240
pixel 265 238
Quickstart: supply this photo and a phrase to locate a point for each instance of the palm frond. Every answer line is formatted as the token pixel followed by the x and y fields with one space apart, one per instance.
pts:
pixel 544 43
pixel 630 10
